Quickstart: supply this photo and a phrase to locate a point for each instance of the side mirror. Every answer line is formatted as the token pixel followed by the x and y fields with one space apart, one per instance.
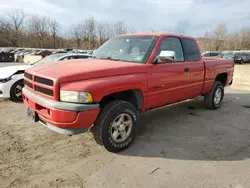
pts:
pixel 165 56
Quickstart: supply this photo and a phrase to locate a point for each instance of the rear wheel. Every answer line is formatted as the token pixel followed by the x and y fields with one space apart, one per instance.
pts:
pixel 16 91
pixel 214 99
pixel 116 126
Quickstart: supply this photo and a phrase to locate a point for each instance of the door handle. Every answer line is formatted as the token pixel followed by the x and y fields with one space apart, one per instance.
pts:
pixel 186 69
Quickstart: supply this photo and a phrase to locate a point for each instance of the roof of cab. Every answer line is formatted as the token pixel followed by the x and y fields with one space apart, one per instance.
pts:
pixel 157 35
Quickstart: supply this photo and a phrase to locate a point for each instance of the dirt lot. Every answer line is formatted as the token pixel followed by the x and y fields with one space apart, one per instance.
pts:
pixel 180 146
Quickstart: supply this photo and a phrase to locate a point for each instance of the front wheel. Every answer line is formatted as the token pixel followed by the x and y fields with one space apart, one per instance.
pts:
pixel 214 99
pixel 16 91
pixel 116 126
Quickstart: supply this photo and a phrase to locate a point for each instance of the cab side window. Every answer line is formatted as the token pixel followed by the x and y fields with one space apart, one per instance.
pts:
pixel 172 44
pixel 191 50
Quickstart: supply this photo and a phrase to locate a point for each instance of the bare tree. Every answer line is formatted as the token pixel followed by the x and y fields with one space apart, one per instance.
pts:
pixel 218 36
pixel 38 27
pixel 53 29
pixel 109 30
pixel 77 34
pixel 207 42
pixel 15 23
pixel 245 38
pixel 101 33
pixel 5 36
pixel 105 31
pixel 233 42
pixel 120 27
pixel 90 27
pixel 17 29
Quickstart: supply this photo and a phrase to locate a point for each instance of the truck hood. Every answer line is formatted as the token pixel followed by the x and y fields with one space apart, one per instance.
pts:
pixel 6 72
pixel 73 70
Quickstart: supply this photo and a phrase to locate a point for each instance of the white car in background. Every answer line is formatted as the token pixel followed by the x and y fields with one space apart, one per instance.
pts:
pixel 11 77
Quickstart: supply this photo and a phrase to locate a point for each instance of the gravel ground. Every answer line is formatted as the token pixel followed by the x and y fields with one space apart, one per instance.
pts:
pixel 183 145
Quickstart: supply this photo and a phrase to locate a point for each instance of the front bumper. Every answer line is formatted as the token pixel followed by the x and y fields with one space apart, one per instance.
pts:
pixel 62 117
pixel 3 94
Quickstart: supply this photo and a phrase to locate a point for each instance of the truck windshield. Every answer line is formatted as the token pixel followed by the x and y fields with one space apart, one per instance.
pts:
pixel 126 48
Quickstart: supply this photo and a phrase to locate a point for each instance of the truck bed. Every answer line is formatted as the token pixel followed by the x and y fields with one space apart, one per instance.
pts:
pixel 216 66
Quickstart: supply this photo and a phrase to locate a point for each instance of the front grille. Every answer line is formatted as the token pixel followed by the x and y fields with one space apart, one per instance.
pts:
pixel 28 84
pixel 44 90
pixel 39 84
pixel 27 75
pixel 44 81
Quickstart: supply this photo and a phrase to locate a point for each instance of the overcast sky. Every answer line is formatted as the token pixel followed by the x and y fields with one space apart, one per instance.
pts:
pixel 196 16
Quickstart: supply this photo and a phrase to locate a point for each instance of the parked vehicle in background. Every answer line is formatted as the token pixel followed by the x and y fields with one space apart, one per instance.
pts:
pixel 59 51
pixel 211 54
pixel 246 58
pixel 34 52
pixel 6 57
pixel 127 75
pixel 14 51
pixel 228 56
pixel 20 51
pixel 44 53
pixel 68 49
pixel 242 58
pixel 11 77
pixel 6 50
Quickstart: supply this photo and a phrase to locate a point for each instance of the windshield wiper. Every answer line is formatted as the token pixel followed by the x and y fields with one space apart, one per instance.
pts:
pixel 109 58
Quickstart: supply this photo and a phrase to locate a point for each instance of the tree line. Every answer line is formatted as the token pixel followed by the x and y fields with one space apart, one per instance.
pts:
pixel 221 39
pixel 18 29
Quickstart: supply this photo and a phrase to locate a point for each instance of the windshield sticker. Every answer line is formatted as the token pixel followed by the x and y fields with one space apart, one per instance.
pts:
pixel 138 58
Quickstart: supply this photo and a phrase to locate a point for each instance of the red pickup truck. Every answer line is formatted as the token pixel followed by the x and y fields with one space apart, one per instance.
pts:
pixel 127 75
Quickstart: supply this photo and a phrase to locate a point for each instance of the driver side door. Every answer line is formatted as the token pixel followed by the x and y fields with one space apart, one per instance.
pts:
pixel 167 81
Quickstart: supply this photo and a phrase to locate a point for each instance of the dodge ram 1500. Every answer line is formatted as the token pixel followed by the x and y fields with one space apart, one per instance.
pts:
pixel 126 76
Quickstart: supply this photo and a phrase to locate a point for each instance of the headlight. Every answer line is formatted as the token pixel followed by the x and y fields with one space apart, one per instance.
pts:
pixel 75 96
pixel 4 80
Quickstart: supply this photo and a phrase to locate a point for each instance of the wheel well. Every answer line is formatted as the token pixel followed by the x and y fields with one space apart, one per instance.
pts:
pixel 222 78
pixel 133 96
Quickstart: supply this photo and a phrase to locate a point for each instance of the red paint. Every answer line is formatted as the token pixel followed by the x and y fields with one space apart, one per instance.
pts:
pixel 159 84
pixel 63 118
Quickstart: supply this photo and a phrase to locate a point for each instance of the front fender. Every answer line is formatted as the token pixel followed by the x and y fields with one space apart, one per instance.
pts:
pixel 101 87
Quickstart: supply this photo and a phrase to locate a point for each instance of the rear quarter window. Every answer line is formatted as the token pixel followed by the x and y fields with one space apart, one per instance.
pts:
pixel 190 49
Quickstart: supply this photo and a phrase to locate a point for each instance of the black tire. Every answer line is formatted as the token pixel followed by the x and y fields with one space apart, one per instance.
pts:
pixel 16 91
pixel 209 99
pixel 102 130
